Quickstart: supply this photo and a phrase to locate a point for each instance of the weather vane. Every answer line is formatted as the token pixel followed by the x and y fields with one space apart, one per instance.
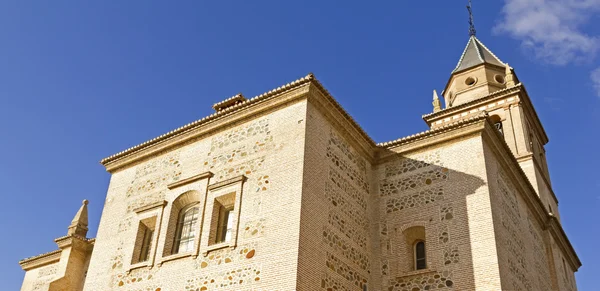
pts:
pixel 472 31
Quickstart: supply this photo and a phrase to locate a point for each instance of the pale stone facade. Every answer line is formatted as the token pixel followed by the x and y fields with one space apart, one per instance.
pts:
pixel 312 203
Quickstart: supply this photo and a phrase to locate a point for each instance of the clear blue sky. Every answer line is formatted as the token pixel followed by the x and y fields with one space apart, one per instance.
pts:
pixel 81 80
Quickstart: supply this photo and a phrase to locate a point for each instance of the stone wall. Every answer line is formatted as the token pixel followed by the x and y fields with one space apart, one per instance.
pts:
pixel 39 279
pixel 523 244
pixel 268 150
pixel 441 190
pixel 334 245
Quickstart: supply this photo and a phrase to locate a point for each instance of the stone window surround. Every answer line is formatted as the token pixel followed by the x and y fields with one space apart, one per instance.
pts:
pixel 155 210
pixel 215 191
pixel 203 190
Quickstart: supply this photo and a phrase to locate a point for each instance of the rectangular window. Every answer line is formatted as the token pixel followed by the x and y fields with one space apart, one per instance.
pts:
pixel 146 245
pixel 143 240
pixel 223 214
pixel 223 219
pixel 225 227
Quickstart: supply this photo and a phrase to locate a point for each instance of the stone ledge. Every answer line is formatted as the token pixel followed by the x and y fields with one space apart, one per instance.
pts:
pixel 227 182
pixel 150 206
pixel 191 179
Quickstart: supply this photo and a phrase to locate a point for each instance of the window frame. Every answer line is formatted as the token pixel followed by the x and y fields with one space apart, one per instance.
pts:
pixel 227 193
pixel 144 215
pixel 192 232
pixel 416 258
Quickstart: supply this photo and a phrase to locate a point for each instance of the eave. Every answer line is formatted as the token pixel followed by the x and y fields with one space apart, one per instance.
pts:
pixel 197 128
pixel 40 260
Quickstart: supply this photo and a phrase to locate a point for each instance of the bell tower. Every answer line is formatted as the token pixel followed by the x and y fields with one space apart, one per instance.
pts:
pixel 482 83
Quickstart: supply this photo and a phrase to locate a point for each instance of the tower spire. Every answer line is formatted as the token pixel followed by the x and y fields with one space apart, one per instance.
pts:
pixel 79 224
pixel 472 31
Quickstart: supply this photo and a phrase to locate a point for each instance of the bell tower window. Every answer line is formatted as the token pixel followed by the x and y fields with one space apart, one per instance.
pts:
pixel 497 123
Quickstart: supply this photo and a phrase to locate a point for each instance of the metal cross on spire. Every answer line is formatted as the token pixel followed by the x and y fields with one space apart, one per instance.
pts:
pixel 472 31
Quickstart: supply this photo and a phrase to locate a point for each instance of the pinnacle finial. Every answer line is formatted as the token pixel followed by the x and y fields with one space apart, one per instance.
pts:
pixel 510 77
pixel 79 224
pixel 472 30
pixel 437 105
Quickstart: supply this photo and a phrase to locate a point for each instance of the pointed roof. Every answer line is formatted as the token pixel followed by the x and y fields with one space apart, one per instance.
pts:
pixel 476 53
pixel 79 224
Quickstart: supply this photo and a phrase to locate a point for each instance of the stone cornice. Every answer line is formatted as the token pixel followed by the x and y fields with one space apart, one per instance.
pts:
pixel 74 240
pixel 241 110
pixel 252 108
pixel 432 132
pixel 231 181
pixel 528 193
pixel 500 93
pixel 192 179
pixel 40 260
pixel 225 112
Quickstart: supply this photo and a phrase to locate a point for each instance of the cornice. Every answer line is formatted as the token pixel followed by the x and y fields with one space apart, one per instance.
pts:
pixel 432 132
pixel 255 107
pixel 225 112
pixel 528 193
pixel 40 260
pixel 191 130
pixel 191 179
pixel 432 116
pixel 228 182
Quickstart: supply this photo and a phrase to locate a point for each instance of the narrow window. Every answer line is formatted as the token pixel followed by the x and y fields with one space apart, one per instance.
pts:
pixel 497 123
pixel 565 268
pixel 420 262
pixel 225 227
pixel 223 220
pixel 185 237
pixel 499 127
pixel 146 245
pixel 143 241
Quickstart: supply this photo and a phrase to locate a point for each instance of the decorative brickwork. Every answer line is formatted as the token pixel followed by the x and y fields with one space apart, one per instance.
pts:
pixel 329 283
pixel 393 187
pixel 232 137
pixel 429 281
pixel 419 199
pixel 226 256
pixel 232 279
pixel 155 174
pixel 338 266
pixel 255 228
pixel 413 164
pixel 351 253
pixel 47 271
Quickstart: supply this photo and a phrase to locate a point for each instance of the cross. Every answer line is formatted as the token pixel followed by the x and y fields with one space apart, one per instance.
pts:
pixel 472 30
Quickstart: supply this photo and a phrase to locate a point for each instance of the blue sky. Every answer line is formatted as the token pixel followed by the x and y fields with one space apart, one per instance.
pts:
pixel 81 80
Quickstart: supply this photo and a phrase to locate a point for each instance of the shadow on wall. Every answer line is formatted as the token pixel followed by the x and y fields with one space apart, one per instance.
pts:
pixel 425 212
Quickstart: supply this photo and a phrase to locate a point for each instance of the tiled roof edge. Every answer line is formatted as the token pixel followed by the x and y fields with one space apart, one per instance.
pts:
pixel 432 131
pixel 26 260
pixel 213 116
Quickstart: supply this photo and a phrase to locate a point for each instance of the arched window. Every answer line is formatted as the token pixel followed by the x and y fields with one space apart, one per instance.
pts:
pixel 419 251
pixel 185 236
pixel 497 123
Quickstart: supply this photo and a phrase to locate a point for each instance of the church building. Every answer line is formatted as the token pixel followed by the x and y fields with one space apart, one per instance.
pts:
pixel 285 191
